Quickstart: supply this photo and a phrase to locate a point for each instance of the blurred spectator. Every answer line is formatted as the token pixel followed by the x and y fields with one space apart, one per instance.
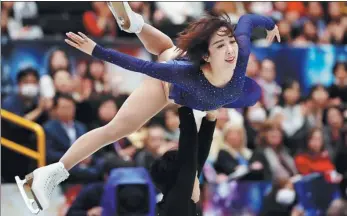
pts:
pixel 338 90
pixel 100 22
pixel 337 208
pixel 218 138
pixel 26 102
pixel 14 14
pixel 5 16
pixel 234 9
pixel 315 14
pixel 106 111
pixel 62 132
pixel 310 31
pixel 172 122
pixel 57 60
pixel 306 34
pixel 281 200
pixel 315 158
pixel 144 9
pixel 234 153
pixel 273 156
pixel 271 89
pixel 178 13
pixel 288 111
pixel 291 115
pixel 333 130
pixel 262 8
pixel 279 11
pixel 98 78
pixel 255 116
pixel 285 30
pixel 172 17
pixel 319 101
pixel 153 143
pixel 337 26
pixel 63 82
pixel 88 201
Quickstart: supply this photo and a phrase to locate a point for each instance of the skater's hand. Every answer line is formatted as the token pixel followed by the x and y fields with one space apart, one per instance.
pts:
pixel 96 211
pixel 273 33
pixel 81 42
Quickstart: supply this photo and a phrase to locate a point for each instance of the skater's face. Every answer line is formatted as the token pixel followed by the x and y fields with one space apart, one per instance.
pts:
pixel 223 51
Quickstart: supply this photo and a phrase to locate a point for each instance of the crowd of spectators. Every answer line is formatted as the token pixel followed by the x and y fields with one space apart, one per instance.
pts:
pixel 300 23
pixel 284 135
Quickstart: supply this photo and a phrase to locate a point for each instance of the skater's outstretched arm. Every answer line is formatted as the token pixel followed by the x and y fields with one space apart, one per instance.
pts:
pixel 173 73
pixel 244 29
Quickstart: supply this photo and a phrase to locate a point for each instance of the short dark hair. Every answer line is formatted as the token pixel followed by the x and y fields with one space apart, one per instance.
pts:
pixel 62 95
pixel 196 37
pixel 164 171
pixel 27 71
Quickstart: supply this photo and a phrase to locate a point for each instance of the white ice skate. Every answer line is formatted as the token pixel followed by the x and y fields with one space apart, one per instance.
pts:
pixel 127 19
pixel 42 183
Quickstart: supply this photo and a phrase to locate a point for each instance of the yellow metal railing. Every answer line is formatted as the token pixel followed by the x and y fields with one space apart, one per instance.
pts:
pixel 40 154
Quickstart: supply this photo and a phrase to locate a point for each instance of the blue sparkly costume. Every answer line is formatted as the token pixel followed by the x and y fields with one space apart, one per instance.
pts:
pixel 189 85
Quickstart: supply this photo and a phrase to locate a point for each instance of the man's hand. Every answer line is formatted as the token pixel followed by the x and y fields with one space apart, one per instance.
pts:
pixel 211 115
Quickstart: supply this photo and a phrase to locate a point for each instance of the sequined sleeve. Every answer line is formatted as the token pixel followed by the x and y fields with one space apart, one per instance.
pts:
pixel 244 29
pixel 250 95
pixel 169 72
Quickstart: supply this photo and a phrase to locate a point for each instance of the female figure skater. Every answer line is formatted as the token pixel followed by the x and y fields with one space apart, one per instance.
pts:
pixel 176 172
pixel 213 77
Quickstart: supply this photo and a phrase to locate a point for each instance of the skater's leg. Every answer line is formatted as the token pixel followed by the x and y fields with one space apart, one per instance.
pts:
pixel 153 40
pixel 145 102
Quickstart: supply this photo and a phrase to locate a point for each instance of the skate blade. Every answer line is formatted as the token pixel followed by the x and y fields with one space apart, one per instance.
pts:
pixel 29 202
pixel 119 11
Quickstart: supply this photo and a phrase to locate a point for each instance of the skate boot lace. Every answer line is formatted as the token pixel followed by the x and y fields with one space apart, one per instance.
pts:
pixel 54 180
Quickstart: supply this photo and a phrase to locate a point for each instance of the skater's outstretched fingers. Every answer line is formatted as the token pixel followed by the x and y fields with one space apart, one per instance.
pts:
pixel 81 42
pixel 278 36
pixel 83 36
pixel 73 44
pixel 77 39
